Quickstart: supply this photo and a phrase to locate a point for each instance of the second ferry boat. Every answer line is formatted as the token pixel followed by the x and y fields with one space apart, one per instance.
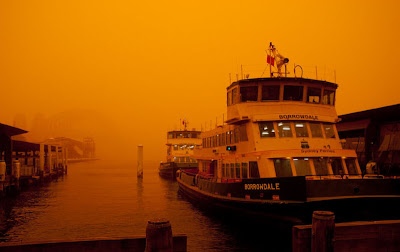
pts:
pixel 180 147
pixel 279 155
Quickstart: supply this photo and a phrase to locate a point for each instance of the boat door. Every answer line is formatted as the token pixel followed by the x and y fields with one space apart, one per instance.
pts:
pixel 213 168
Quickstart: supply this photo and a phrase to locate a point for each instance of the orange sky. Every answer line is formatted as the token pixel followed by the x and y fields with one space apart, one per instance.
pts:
pixel 145 65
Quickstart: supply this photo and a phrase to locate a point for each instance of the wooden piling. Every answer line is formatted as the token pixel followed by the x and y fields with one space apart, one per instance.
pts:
pixel 159 236
pixel 323 230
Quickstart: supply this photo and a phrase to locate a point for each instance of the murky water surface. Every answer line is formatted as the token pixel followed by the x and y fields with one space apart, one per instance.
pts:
pixel 106 199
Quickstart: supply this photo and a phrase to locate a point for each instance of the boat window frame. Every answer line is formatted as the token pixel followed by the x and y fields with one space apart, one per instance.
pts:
pixel 244 167
pixel 234 95
pixel 334 172
pixel 290 130
pixel 331 100
pixel 308 95
pixel 237 171
pixel 320 128
pixel 245 88
pixel 305 124
pixel 261 128
pixel 290 167
pixel 299 171
pixel 272 85
pixel 328 169
pixel 232 167
pixel 254 168
pixel 334 136
pixel 227 170
pixel 293 86
pixel 355 165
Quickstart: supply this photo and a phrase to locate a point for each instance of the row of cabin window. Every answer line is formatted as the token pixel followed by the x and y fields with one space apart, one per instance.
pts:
pixel 183 135
pixel 302 166
pixel 239 134
pixel 184 160
pixel 290 93
pixel 301 129
pixel 185 146
pixel 240 171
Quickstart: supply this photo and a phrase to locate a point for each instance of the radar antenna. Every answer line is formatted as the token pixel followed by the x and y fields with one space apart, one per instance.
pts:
pixel 273 56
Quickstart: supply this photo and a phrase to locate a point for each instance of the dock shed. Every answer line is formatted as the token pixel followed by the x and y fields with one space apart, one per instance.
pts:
pixel 375 135
pixel 6 144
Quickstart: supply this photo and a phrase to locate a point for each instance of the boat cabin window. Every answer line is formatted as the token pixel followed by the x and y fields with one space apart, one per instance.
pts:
pixel 270 93
pixel 313 95
pixel 337 167
pixel 170 135
pixel 237 170
pixel 301 129
pixel 351 166
pixel 248 93
pixel 293 93
pixel 232 170
pixel 316 130
pixel 228 138
pixel 229 98
pixel 329 130
pixel 321 166
pixel 234 96
pixel 227 170
pixel 284 129
pixel 253 170
pixel 302 166
pixel 223 138
pixel 232 136
pixel 175 147
pixel 329 97
pixel 266 129
pixel 244 170
pixel 223 171
pixel 283 167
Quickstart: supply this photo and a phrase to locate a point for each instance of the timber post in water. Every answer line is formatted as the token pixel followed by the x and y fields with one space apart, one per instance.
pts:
pixel 140 161
pixel 159 236
pixel 323 229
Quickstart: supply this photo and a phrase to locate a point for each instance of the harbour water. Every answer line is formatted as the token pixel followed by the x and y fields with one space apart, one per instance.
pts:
pixel 106 199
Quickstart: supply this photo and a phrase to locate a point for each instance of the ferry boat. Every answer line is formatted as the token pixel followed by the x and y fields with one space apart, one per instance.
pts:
pixel 279 155
pixel 180 147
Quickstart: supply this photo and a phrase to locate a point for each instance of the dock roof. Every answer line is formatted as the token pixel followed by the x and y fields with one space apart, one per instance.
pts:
pixel 10 130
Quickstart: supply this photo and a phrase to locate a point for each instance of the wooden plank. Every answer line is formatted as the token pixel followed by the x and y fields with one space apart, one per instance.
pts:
pixel 356 236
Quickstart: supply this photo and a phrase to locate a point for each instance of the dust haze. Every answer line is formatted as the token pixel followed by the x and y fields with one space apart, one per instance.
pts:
pixel 125 72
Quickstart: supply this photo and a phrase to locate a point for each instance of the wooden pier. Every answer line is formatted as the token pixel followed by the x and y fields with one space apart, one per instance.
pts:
pixel 324 235
pixel 24 163
pixel 158 238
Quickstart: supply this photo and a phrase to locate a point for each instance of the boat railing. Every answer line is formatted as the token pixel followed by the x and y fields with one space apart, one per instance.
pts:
pixel 343 176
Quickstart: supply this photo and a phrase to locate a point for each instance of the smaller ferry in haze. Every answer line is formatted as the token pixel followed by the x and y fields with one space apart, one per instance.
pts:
pixel 279 155
pixel 180 147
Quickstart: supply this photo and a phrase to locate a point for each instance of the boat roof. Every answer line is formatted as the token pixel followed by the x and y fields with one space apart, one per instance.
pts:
pixel 283 79
pixel 184 131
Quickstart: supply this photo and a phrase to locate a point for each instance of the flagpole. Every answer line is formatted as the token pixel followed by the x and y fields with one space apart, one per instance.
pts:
pixel 270 70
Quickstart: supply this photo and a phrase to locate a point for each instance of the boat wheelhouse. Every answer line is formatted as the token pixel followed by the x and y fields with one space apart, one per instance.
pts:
pixel 279 153
pixel 277 127
pixel 180 147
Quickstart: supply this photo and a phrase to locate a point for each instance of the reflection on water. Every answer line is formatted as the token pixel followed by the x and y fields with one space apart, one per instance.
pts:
pixel 100 199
